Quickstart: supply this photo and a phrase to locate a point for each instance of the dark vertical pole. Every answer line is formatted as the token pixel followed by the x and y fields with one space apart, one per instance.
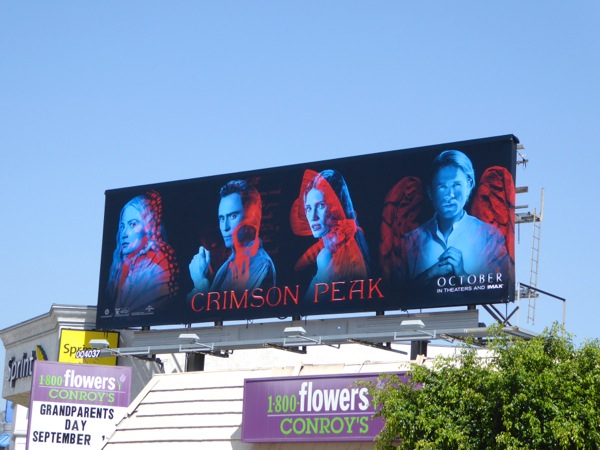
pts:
pixel 417 348
pixel 194 362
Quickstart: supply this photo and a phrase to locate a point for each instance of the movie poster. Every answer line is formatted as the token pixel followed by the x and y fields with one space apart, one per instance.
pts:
pixel 418 228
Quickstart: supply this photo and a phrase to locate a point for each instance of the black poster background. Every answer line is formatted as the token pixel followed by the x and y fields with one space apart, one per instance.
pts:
pixel 190 219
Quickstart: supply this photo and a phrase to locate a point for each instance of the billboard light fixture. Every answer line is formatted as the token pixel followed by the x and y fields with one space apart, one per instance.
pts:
pixel 99 343
pixel 294 331
pixel 298 334
pixel 412 324
pixel 193 346
pixel 416 327
pixel 189 336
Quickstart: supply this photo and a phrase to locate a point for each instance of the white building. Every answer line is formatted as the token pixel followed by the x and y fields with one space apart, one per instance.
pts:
pixel 178 409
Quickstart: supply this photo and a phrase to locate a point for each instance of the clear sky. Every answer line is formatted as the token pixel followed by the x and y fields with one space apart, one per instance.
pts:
pixel 102 95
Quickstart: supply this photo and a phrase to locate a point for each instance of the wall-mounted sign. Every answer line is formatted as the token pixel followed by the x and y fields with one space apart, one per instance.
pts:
pixel 418 228
pixel 76 405
pixel 23 367
pixel 75 347
pixel 302 409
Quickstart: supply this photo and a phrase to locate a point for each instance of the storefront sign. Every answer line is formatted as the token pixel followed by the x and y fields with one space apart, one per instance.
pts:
pixel 20 368
pixel 301 409
pixel 75 347
pixel 23 368
pixel 76 405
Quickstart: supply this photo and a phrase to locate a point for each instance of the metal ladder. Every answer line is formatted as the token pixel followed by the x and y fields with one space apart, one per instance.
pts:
pixel 535 261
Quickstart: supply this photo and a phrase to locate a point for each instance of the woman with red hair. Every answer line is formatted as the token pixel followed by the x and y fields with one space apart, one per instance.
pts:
pixel 341 253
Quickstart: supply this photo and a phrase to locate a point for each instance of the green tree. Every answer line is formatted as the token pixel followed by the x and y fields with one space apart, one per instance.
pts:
pixel 542 393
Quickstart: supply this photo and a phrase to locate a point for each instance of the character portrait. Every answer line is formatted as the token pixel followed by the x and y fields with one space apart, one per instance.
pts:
pixel 454 243
pixel 248 266
pixel 325 211
pixel 144 271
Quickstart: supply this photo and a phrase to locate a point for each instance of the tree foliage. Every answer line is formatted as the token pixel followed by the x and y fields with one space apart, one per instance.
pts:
pixel 538 393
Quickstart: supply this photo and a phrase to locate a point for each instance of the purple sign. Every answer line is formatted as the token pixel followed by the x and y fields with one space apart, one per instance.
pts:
pixel 319 408
pixel 75 404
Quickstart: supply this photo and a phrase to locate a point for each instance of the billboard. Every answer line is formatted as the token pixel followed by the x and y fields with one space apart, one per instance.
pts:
pixel 75 405
pixel 310 409
pixel 75 347
pixel 418 228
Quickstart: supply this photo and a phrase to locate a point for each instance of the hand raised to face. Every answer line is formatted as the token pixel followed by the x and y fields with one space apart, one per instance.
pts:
pixel 199 267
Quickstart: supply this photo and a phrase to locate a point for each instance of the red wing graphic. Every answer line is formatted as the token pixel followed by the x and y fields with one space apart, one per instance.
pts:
pixel 405 208
pixel 494 203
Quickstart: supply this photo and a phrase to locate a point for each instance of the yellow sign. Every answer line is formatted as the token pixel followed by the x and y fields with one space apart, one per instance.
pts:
pixel 75 347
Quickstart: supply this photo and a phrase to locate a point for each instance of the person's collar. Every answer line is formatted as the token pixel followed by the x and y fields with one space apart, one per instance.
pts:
pixel 436 226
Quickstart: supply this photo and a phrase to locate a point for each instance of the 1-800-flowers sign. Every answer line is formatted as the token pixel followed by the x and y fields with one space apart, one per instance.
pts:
pixel 301 409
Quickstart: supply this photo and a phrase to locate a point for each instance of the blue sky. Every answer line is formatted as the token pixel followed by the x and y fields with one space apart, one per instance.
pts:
pixel 102 95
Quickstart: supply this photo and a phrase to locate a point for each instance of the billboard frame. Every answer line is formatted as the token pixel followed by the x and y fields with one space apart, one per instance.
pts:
pixel 188 204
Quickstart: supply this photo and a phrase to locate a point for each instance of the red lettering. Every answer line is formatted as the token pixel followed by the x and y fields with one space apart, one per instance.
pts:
pixel 224 302
pixel 242 303
pixel 256 296
pixel 201 295
pixel 211 299
pixel 288 292
pixel 318 290
pixel 335 290
pixel 360 290
pixel 275 289
pixel 374 287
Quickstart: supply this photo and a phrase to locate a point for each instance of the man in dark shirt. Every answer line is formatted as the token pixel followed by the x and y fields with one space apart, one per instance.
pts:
pixel 249 266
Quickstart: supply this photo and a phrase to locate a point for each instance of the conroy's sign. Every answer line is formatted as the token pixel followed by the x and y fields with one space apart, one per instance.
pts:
pixel 305 409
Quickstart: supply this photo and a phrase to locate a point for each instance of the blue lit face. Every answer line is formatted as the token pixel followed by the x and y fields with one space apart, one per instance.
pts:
pixel 131 231
pixel 315 209
pixel 231 213
pixel 450 189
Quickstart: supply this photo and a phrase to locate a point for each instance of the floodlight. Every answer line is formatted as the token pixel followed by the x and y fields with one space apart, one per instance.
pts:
pixel 412 324
pixel 297 331
pixel 189 336
pixel 99 343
